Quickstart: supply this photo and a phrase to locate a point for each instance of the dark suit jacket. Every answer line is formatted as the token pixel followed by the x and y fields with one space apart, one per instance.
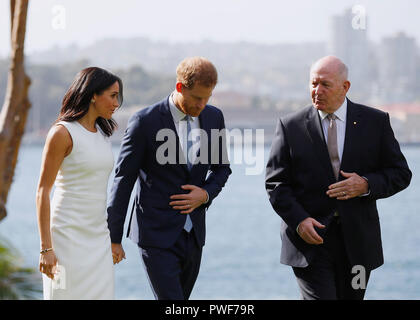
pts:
pixel 299 172
pixel 159 225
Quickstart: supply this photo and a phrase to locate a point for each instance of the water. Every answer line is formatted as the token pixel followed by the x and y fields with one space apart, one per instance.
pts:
pixel 242 251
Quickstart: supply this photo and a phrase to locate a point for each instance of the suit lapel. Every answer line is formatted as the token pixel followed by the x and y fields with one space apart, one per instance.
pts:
pixel 168 122
pixel 353 134
pixel 316 134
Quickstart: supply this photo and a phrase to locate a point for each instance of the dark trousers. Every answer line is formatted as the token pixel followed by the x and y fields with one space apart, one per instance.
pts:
pixel 172 271
pixel 329 276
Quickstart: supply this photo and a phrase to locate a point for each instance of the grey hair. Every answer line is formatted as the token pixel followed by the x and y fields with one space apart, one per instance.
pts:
pixel 343 70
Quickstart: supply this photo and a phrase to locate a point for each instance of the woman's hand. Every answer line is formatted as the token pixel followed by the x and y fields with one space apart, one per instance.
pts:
pixel 48 263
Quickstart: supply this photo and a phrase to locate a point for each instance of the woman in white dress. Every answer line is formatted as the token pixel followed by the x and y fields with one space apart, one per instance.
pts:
pixel 75 257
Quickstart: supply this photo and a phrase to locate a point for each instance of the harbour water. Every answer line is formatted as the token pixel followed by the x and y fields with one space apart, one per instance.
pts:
pixel 242 251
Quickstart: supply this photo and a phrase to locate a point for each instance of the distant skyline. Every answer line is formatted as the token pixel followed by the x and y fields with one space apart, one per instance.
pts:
pixel 265 21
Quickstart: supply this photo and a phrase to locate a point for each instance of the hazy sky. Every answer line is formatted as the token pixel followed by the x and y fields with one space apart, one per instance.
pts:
pixel 266 21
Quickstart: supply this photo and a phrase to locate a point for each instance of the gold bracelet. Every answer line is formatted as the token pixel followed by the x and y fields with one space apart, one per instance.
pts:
pixel 45 250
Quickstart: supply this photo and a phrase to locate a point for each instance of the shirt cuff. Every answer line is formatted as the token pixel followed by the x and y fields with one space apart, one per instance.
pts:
pixel 368 193
pixel 207 197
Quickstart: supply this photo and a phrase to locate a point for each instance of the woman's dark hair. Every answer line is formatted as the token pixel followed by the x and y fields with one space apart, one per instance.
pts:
pixel 77 99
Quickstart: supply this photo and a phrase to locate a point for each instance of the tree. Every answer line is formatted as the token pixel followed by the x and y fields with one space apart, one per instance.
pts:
pixel 16 103
pixel 15 282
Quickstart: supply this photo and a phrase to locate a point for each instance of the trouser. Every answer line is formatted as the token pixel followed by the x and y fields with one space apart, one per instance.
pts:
pixel 173 271
pixel 331 276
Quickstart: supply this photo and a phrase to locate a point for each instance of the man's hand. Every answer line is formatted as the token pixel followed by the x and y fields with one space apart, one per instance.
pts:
pixel 117 252
pixel 189 201
pixel 307 231
pixel 352 187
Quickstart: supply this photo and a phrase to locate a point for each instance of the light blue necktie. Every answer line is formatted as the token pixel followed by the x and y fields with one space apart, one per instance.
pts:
pixel 188 223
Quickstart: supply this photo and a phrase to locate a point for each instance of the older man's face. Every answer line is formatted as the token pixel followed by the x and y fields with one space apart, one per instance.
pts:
pixel 328 89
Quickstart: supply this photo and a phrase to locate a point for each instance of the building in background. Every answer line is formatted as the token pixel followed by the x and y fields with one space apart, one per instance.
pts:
pixel 257 82
pixel 348 41
pixel 398 67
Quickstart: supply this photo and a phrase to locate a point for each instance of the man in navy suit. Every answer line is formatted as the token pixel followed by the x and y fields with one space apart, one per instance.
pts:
pixel 176 150
pixel 328 165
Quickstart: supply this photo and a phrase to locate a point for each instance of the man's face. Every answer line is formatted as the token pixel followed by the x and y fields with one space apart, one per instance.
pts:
pixel 193 100
pixel 328 89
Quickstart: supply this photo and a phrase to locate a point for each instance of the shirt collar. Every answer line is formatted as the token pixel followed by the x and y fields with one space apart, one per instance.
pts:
pixel 177 114
pixel 341 112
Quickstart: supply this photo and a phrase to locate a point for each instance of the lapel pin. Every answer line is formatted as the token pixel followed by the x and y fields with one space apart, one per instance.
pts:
pixel 355 122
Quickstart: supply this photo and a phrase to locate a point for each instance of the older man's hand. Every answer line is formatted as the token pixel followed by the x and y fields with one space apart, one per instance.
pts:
pixel 306 230
pixel 352 187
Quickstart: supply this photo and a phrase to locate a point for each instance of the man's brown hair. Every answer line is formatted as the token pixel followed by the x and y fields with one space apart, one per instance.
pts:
pixel 196 70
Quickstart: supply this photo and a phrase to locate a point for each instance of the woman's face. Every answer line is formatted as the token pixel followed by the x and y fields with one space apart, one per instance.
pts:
pixel 107 102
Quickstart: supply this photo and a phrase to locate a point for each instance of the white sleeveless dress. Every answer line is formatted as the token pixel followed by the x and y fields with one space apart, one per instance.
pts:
pixel 79 229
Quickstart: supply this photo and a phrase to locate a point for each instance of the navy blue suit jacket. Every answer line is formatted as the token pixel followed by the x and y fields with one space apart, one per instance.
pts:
pixel 158 223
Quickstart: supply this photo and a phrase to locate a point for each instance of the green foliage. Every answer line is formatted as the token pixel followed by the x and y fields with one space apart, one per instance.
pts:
pixel 142 88
pixel 16 282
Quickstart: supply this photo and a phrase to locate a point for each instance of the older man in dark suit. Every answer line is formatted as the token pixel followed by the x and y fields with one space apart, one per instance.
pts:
pixel 328 165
